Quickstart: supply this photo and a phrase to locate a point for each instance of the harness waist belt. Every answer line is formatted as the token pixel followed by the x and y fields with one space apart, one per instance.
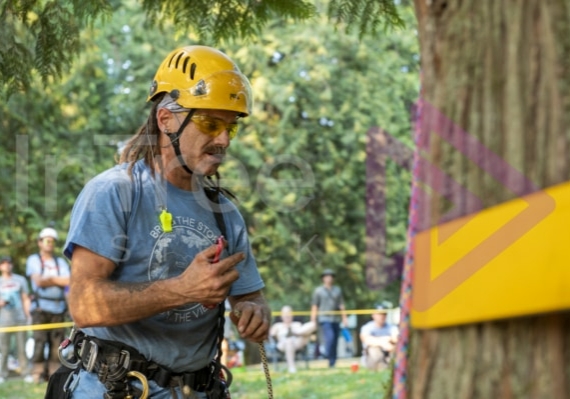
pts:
pixel 112 360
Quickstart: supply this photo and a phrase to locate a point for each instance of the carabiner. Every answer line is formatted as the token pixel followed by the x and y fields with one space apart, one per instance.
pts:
pixel 63 346
pixel 142 378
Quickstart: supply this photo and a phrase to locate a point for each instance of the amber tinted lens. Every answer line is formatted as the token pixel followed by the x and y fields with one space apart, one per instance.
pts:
pixel 232 130
pixel 213 127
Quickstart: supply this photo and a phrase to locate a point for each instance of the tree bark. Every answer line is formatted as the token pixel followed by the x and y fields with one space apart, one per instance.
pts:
pixel 500 71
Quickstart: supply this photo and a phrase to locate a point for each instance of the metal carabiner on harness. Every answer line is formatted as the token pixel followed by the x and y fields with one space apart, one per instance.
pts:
pixel 122 370
pixel 63 346
pixel 142 378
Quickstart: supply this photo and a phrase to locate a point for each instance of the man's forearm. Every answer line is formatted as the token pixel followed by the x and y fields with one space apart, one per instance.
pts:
pixel 58 281
pixel 93 303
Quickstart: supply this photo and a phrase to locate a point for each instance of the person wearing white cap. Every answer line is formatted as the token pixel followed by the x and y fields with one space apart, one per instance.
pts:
pixel 49 275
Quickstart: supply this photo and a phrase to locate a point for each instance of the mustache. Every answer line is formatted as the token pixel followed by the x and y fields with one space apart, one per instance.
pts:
pixel 216 150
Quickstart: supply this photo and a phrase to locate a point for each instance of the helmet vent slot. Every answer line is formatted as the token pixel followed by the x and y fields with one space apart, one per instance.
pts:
pixel 185 64
pixel 170 60
pixel 192 70
pixel 178 60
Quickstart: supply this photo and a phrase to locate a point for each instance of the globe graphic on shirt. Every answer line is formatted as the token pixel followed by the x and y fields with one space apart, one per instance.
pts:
pixel 171 255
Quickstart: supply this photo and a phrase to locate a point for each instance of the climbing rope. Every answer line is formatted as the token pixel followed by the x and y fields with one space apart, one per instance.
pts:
pixel 266 370
pixel 264 362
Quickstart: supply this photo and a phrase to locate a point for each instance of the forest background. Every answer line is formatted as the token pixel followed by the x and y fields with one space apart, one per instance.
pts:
pixel 298 166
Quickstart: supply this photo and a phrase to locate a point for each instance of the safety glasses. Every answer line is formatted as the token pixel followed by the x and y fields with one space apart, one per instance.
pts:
pixel 213 127
pixel 48 240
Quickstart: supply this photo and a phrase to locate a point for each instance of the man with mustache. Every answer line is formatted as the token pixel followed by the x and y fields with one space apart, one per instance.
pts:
pixel 156 246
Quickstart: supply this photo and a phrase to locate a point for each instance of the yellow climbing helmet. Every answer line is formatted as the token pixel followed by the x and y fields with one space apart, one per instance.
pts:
pixel 202 77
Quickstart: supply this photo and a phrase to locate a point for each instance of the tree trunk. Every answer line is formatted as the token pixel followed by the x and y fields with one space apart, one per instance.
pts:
pixel 500 70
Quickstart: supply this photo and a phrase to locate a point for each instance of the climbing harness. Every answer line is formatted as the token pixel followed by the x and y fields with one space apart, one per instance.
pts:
pixel 115 364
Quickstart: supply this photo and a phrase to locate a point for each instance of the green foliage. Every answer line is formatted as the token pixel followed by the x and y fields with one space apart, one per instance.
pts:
pixel 18 389
pixel 298 165
pixel 318 92
pixel 58 135
pixel 41 36
pixel 214 21
pixel 368 15
pixel 44 36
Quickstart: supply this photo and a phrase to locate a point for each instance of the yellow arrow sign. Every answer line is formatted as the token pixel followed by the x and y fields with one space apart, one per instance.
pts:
pixel 509 260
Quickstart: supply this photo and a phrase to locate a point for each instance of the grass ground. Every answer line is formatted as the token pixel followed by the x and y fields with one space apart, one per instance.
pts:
pixel 317 382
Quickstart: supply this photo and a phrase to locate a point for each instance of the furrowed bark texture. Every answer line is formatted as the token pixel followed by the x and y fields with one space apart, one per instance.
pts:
pixel 499 71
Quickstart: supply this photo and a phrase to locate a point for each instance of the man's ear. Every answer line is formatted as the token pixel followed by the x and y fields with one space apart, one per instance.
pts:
pixel 163 119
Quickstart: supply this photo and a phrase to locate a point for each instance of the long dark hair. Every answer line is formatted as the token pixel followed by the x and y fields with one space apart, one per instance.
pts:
pixel 144 144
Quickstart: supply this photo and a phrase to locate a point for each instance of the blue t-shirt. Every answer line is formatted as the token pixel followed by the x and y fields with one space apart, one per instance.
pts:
pixel 49 299
pixel 118 218
pixel 11 290
pixel 373 329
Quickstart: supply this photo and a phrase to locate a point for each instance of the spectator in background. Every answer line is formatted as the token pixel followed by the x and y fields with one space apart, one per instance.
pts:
pixel 49 275
pixel 291 335
pixel 327 303
pixel 378 339
pixel 14 311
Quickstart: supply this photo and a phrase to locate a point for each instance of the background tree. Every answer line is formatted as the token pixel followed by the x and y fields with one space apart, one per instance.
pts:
pixel 499 70
pixel 43 37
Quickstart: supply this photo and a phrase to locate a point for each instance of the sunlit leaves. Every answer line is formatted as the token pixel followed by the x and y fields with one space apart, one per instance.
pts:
pixel 42 37
pixel 317 92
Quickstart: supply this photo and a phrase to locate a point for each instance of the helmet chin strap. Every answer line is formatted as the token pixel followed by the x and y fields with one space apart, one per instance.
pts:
pixel 175 141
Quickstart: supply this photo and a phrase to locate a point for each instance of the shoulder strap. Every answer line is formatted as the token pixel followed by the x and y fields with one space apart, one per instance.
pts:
pixel 56 260
pixel 41 263
pixel 214 196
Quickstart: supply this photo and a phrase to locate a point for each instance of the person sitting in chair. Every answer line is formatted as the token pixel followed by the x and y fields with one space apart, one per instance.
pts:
pixel 291 335
pixel 378 339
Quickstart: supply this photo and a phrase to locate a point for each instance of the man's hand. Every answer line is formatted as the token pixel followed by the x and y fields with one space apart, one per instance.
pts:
pixel 252 316
pixel 209 283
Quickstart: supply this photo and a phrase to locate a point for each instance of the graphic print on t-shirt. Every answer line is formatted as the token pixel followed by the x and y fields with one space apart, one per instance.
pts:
pixel 10 294
pixel 171 255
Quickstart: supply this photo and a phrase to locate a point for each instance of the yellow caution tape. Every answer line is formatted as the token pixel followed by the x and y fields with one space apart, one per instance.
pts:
pixel 69 324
